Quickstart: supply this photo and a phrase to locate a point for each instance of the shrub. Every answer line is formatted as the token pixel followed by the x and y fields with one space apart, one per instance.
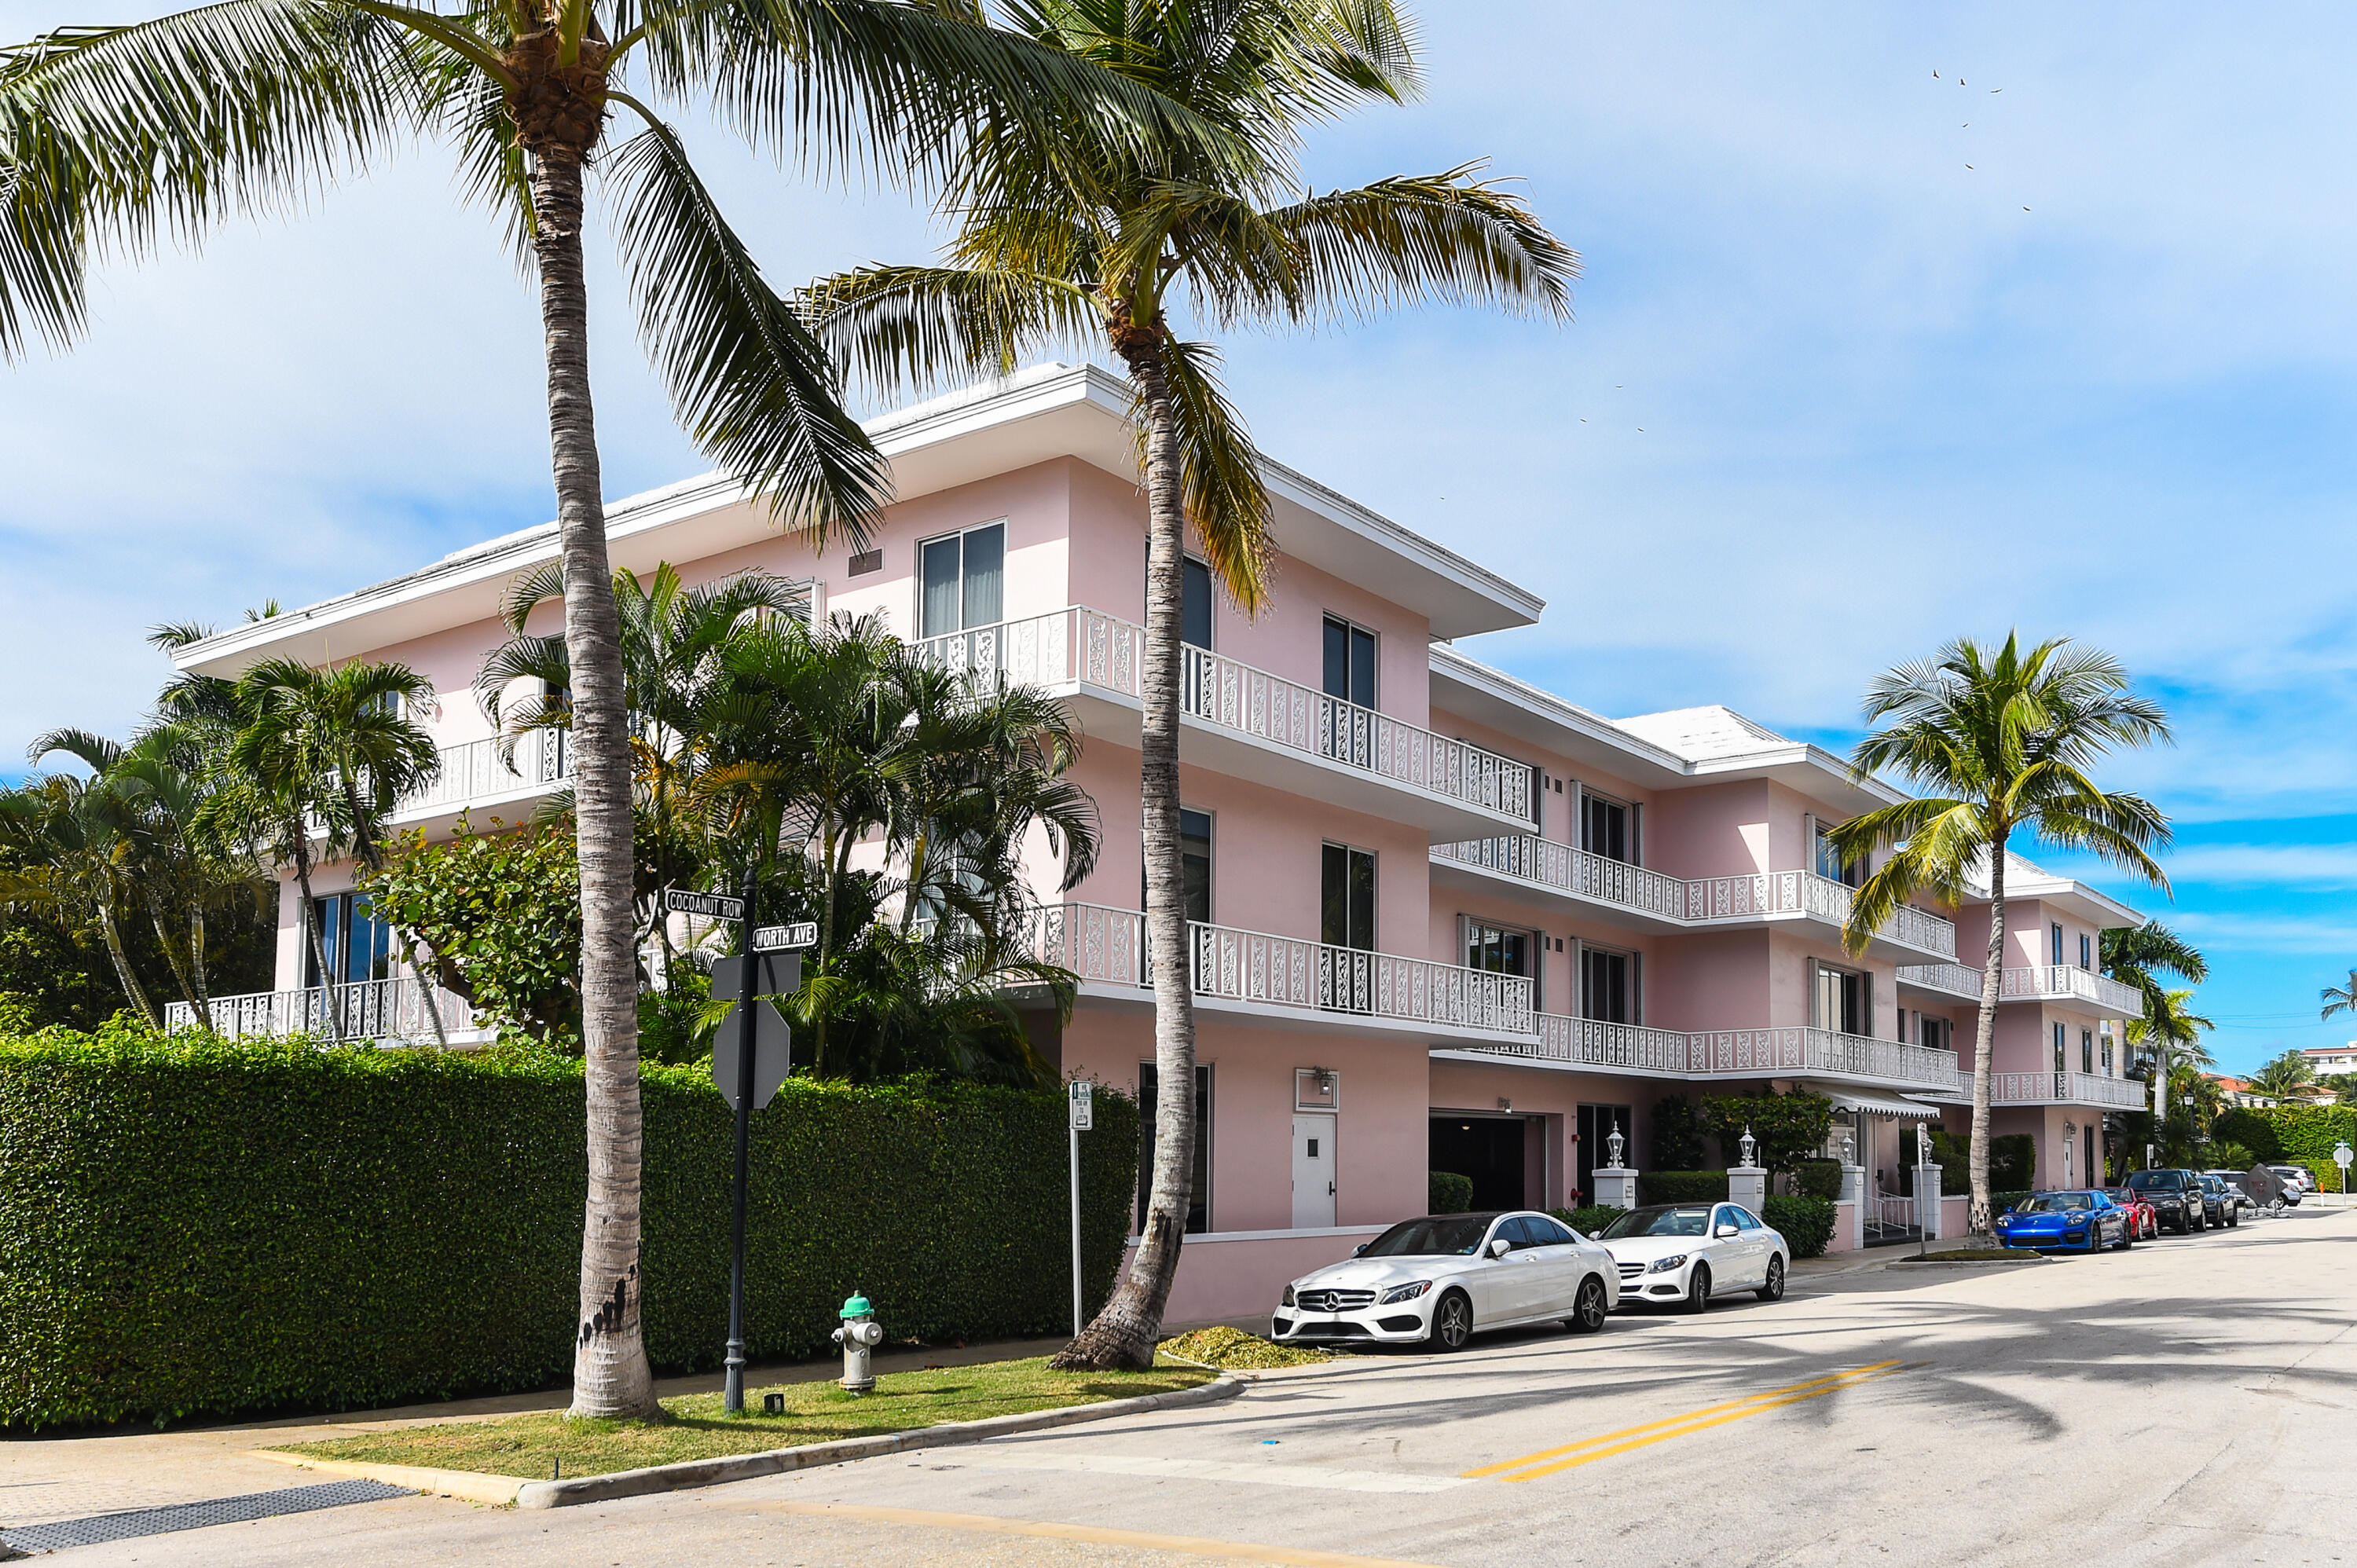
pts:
pixel 2228 1156
pixel 195 1226
pixel 2292 1134
pixel 1817 1178
pixel 1681 1186
pixel 1588 1222
pixel 1678 1134
pixel 1806 1222
pixel 1450 1193
pixel 2013 1163
pixel 1788 1128
pixel 2001 1201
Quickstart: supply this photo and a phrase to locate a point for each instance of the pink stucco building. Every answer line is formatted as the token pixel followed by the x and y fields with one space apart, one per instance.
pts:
pixel 1448 920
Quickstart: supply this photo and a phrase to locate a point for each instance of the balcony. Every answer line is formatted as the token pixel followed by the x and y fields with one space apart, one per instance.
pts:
pixel 1786 1052
pixel 2046 983
pixel 1251 723
pixel 1633 896
pixel 1106 947
pixel 475 774
pixel 2066 1089
pixel 384 1011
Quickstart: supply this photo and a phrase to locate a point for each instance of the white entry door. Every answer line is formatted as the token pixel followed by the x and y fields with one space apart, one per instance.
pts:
pixel 1313 1170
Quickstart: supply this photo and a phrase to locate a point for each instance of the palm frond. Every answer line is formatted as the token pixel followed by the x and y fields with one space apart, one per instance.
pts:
pixel 747 380
pixel 1220 476
pixel 903 329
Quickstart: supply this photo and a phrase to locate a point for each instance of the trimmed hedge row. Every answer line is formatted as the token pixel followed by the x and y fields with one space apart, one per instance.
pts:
pixel 217 1227
pixel 1681 1186
pixel 1449 1193
pixel 1588 1220
pixel 2292 1135
pixel 1806 1222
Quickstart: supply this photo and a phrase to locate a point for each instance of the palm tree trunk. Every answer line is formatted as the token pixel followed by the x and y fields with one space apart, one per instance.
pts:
pixel 1123 1334
pixel 172 955
pixel 123 972
pixel 1982 1223
pixel 331 994
pixel 610 1376
pixel 196 964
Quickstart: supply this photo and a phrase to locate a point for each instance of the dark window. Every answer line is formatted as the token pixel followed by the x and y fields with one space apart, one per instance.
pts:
pixel 1604 827
pixel 1841 1002
pixel 1937 1032
pixel 964 576
pixel 359 946
pixel 1195 603
pixel 1500 949
pixel 1195 862
pixel 1349 662
pixel 1605 991
pixel 2086 951
pixel 2057 944
pixel 1347 897
pixel 2086 1050
pixel 1198 1195
pixel 1829 861
pixel 2062 1047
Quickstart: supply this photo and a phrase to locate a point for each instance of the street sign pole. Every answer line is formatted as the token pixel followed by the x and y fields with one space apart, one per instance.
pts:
pixel 1081 1117
pixel 748 1004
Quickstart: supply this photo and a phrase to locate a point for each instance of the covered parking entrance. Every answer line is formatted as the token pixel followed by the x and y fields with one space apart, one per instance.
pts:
pixel 1493 1151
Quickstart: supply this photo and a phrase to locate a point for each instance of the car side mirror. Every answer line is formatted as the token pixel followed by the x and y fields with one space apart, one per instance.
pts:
pixel 1501 1247
pixel 1724 1232
pixel 1359 1251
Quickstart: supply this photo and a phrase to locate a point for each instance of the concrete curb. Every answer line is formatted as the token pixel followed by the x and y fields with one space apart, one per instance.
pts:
pixel 781 1461
pixel 470 1486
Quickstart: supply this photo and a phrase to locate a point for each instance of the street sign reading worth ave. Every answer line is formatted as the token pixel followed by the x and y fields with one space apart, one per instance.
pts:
pixel 785 938
pixel 773 1038
pixel 720 906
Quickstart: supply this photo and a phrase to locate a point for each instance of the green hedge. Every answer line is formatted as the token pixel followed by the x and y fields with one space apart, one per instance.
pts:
pixel 1449 1193
pixel 1818 1179
pixel 207 1228
pixel 2001 1201
pixel 2292 1135
pixel 1681 1186
pixel 1806 1222
pixel 1588 1220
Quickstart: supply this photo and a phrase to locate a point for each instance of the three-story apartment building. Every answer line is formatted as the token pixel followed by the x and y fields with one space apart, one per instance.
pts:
pixel 1443 920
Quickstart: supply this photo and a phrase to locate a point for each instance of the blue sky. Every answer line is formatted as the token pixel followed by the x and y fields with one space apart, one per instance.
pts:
pixel 1865 357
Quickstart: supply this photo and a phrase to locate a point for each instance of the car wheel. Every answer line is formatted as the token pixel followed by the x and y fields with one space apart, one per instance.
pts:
pixel 2127 1236
pixel 1697 1289
pixel 1452 1322
pixel 1588 1307
pixel 1773 1290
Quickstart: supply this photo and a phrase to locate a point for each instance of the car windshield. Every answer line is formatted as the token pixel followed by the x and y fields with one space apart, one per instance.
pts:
pixel 1659 1221
pixel 2056 1203
pixel 2147 1181
pixel 1454 1235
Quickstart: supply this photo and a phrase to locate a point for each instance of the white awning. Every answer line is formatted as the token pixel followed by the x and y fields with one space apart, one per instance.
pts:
pixel 1875 1104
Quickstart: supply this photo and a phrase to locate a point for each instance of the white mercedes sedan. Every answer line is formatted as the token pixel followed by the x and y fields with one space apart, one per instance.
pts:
pixel 1682 1253
pixel 1439 1280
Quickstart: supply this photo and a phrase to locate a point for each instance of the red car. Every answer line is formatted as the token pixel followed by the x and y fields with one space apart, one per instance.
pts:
pixel 2144 1216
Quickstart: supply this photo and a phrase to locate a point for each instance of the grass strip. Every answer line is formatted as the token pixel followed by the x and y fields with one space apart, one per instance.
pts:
pixel 1231 1349
pixel 694 1426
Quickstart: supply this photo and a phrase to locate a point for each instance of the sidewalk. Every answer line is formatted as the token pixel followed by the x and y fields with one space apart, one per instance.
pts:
pixel 46 1477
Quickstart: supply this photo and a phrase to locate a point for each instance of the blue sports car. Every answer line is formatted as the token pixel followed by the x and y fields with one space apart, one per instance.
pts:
pixel 2081 1221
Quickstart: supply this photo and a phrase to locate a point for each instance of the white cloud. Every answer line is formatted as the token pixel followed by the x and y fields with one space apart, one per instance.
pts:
pixel 2305 865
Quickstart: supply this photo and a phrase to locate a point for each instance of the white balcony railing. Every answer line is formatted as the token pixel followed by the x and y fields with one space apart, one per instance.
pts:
pixel 1593 1042
pixel 476 770
pixel 1108 947
pixel 2065 1088
pixel 1707 900
pixel 1736 1053
pixel 1951 979
pixel 2064 983
pixel 366 1009
pixel 1080 646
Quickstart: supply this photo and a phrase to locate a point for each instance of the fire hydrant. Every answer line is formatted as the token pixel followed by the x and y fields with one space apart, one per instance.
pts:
pixel 860 1332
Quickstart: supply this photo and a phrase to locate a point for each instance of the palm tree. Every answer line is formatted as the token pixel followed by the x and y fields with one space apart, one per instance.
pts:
pixel 110 134
pixel 75 854
pixel 2339 998
pixel 2000 744
pixel 1072 240
pixel 2285 1076
pixel 320 754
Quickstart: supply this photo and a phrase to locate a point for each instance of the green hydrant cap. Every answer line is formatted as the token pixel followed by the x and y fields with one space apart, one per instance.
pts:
pixel 858 1306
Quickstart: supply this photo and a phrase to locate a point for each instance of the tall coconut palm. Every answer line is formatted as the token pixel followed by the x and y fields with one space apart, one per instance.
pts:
pixel 2140 955
pixel 2000 743
pixel 1075 241
pixel 2337 999
pixel 112 134
pixel 2285 1075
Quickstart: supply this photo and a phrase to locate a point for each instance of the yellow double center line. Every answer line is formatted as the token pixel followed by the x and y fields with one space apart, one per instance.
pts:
pixel 1547 1461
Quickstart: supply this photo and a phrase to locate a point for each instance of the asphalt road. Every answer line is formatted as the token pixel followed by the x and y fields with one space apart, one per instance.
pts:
pixel 2192 1401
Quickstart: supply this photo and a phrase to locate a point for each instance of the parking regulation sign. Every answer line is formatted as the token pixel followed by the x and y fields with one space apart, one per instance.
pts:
pixel 1079 1098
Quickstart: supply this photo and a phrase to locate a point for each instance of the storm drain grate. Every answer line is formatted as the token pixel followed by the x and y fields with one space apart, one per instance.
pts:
pixel 196 1515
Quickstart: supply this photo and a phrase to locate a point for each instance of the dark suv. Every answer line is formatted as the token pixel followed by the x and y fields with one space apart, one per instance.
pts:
pixel 2178 1197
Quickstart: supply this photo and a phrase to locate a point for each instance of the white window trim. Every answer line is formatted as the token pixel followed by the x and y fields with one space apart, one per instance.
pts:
pixel 917 578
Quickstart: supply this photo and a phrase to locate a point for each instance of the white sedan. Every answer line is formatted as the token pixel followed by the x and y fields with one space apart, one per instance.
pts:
pixel 1438 1280
pixel 1681 1253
